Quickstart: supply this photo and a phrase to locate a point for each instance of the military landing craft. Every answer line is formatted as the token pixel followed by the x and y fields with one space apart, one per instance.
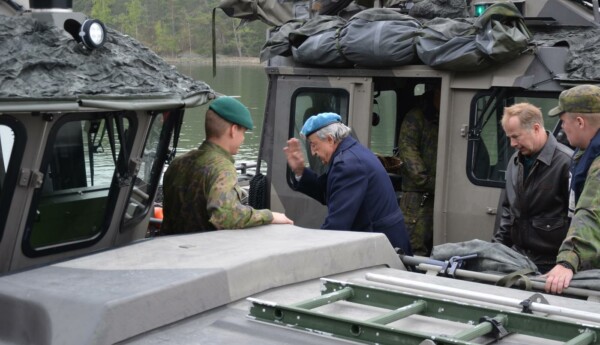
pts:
pixel 77 267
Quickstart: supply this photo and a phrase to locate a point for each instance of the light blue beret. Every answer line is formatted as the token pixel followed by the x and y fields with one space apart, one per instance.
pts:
pixel 233 111
pixel 316 122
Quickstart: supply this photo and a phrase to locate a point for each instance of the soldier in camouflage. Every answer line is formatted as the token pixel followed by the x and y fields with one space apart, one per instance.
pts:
pixel 201 192
pixel 417 147
pixel 579 110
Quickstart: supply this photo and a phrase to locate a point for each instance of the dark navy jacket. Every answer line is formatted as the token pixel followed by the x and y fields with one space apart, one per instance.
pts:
pixel 358 193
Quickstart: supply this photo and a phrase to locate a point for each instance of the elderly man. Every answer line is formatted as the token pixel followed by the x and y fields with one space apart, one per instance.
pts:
pixel 579 110
pixel 201 192
pixel 356 188
pixel 536 204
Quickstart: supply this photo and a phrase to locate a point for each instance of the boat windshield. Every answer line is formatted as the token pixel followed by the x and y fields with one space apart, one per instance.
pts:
pixel 84 158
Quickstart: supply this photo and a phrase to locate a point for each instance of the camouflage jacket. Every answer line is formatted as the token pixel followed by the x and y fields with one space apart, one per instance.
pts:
pixel 417 148
pixel 201 193
pixel 581 247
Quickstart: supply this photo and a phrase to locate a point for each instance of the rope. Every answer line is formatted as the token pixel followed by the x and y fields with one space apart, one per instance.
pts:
pixel 257 198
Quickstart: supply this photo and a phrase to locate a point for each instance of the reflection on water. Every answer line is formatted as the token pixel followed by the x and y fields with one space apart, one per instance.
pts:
pixel 249 82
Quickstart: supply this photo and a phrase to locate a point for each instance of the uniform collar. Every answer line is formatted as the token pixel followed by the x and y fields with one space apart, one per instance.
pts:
pixel 208 146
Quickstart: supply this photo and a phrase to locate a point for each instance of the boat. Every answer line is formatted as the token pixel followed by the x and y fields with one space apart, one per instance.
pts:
pixel 77 265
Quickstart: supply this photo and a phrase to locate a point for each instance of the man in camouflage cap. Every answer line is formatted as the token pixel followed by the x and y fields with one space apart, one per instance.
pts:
pixel 201 192
pixel 579 110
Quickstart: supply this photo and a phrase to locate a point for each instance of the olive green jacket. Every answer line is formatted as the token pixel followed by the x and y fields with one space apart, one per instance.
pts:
pixel 201 193
pixel 581 247
pixel 417 148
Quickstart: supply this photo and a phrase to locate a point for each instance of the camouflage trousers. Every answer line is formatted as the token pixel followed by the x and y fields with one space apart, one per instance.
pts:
pixel 418 216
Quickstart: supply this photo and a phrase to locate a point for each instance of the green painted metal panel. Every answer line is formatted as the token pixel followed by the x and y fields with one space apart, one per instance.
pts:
pixel 485 321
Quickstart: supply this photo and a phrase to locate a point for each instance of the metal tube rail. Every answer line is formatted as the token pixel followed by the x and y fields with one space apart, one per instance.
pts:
pixel 322 300
pixel 400 313
pixel 473 295
pixel 492 278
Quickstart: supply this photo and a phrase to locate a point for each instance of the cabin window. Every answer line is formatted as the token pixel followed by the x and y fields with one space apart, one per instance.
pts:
pixel 85 156
pixel 308 102
pixel 12 142
pixel 151 165
pixel 7 140
pixel 489 150
pixel 383 122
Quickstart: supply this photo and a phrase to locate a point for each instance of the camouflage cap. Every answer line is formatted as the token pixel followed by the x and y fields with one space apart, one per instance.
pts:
pixel 316 122
pixel 579 99
pixel 232 110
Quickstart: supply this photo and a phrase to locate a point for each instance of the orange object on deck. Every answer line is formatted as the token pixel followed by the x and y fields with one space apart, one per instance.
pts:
pixel 158 212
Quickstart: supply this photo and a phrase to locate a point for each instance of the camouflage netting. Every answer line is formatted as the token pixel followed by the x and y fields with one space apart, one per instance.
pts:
pixel 429 9
pixel 42 61
pixel 583 61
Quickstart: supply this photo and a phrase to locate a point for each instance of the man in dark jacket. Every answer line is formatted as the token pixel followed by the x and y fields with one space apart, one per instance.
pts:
pixel 356 188
pixel 535 208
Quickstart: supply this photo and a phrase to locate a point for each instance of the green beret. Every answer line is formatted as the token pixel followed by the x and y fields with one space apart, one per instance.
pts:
pixel 233 111
pixel 579 99
pixel 316 122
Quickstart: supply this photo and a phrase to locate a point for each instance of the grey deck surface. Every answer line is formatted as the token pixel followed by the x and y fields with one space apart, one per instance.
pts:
pixel 231 325
pixel 114 295
pixel 192 289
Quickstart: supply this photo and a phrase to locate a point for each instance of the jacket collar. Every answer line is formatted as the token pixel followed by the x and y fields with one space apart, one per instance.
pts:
pixel 547 152
pixel 344 145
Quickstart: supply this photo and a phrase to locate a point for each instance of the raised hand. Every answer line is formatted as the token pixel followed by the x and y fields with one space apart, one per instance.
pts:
pixel 294 155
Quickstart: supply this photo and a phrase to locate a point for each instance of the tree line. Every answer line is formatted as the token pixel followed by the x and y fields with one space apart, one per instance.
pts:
pixel 178 28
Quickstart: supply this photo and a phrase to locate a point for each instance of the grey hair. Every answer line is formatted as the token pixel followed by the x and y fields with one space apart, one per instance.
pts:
pixel 337 131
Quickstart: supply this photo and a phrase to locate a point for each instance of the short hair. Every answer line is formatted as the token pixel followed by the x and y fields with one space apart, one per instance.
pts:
pixel 337 131
pixel 527 113
pixel 592 118
pixel 214 125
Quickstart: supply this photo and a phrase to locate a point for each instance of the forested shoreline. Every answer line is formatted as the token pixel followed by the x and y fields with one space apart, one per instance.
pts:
pixel 221 60
pixel 178 29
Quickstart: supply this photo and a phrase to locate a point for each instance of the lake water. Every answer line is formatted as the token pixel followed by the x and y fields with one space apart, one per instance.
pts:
pixel 249 82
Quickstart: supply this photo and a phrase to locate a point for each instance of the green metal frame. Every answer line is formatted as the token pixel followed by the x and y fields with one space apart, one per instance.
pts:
pixel 494 322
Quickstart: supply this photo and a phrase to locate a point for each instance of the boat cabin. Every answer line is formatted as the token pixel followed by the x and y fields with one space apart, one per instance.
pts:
pixel 373 97
pixel 84 134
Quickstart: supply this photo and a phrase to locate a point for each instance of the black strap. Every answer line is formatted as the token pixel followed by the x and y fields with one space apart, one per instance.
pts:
pixel 111 136
pixel 120 162
pixel 178 122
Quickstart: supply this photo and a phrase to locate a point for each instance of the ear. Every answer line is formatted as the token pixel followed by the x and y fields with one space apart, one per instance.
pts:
pixel 231 131
pixel 580 121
